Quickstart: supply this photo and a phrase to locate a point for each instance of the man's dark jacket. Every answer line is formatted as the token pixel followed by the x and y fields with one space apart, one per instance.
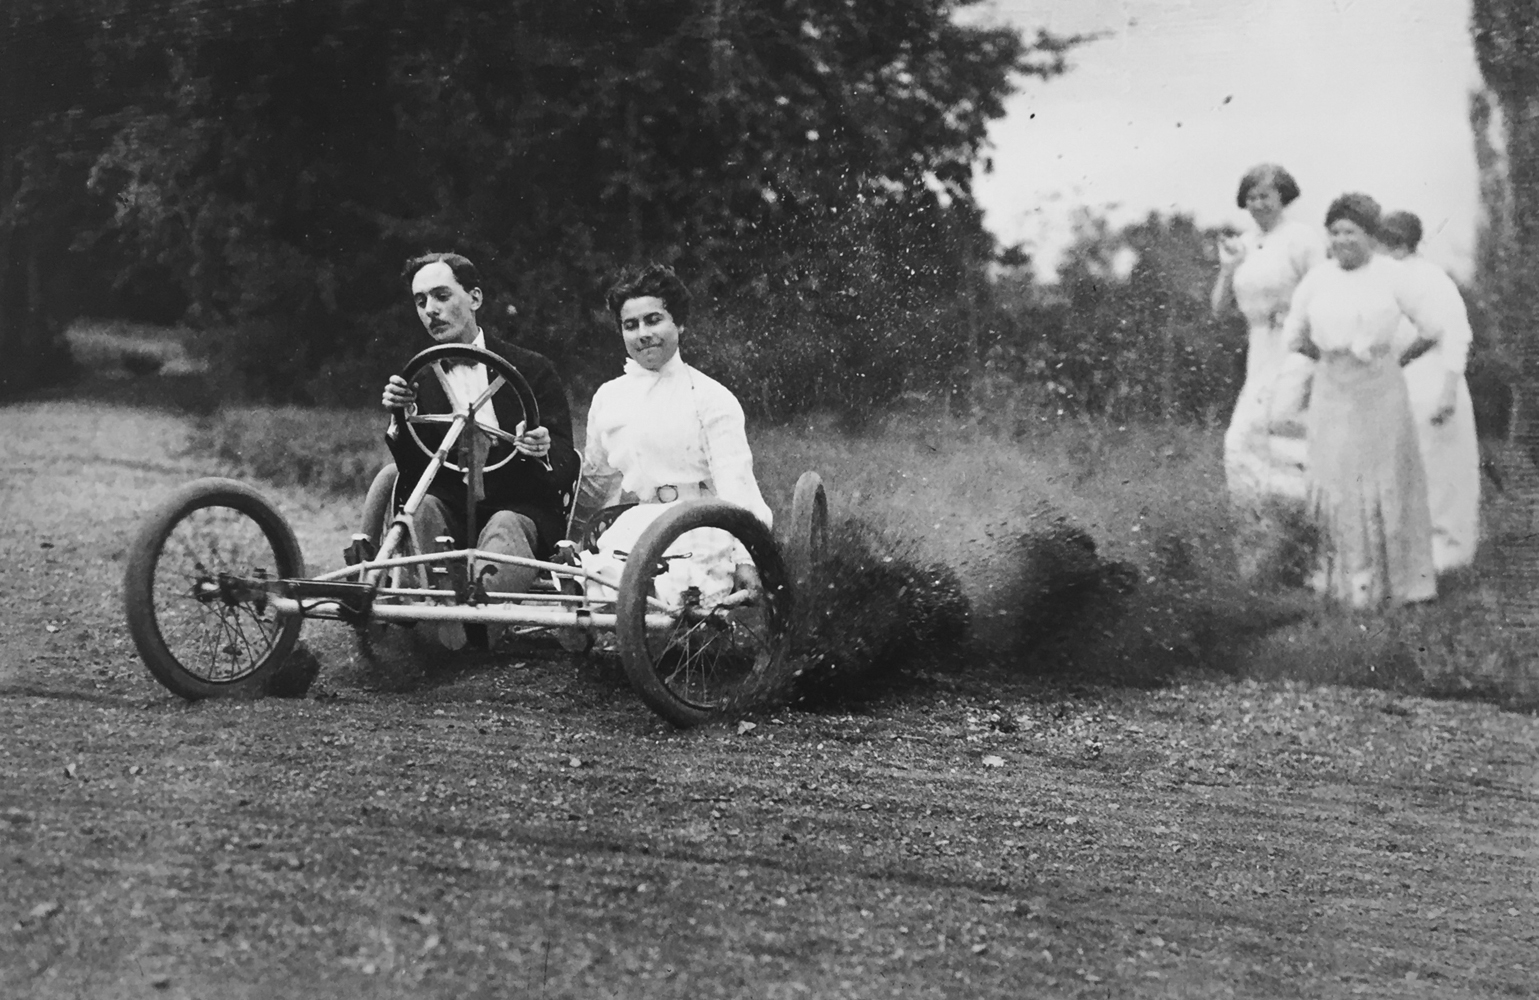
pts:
pixel 524 485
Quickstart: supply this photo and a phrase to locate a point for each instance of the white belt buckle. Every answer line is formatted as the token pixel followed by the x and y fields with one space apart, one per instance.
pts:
pixel 666 494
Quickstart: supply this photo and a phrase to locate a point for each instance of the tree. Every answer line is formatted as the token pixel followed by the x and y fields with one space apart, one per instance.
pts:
pixel 46 104
pixel 1506 36
pixel 273 162
pixel 1127 333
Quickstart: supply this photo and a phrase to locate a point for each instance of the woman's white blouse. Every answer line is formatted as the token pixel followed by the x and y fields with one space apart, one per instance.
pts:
pixel 1274 265
pixel 1359 311
pixel 673 427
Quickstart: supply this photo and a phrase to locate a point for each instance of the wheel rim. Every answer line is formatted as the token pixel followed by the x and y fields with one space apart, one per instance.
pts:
pixel 497 367
pixel 817 536
pixel 706 659
pixel 217 631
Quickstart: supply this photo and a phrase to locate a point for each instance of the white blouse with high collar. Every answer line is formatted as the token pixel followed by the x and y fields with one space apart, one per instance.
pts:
pixel 1359 311
pixel 675 426
pixel 1275 262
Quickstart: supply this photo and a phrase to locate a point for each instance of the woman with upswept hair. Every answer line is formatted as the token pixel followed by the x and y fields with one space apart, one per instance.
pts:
pixel 1367 489
pixel 1264 446
pixel 661 433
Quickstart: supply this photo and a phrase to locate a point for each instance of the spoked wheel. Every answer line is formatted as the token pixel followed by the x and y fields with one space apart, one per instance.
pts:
pixel 728 618
pixel 378 504
pixel 806 539
pixel 193 595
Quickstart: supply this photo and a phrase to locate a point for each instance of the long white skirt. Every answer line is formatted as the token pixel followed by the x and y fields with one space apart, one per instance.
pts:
pixel 1451 456
pixel 704 558
pixel 1264 458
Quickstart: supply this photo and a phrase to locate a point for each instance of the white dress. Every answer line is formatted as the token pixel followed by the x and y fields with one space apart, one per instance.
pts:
pixel 673 427
pixel 1264 447
pixel 1367 491
pixel 1449 450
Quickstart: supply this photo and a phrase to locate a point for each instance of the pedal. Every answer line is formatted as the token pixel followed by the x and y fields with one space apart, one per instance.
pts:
pixel 453 573
pixel 360 550
pixel 478 593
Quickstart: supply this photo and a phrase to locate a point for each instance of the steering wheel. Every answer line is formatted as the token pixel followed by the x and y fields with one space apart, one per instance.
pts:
pixel 502 376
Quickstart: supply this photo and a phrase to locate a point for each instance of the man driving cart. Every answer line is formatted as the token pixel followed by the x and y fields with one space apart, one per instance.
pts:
pixel 519 507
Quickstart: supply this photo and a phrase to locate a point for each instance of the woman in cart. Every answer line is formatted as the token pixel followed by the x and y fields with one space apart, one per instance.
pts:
pixel 662 433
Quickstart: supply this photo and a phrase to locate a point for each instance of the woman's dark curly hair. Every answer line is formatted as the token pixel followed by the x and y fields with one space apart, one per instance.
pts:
pixel 1357 207
pixel 1268 173
pixel 653 280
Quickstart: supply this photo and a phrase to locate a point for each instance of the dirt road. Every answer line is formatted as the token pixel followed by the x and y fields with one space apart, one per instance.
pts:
pixel 523 827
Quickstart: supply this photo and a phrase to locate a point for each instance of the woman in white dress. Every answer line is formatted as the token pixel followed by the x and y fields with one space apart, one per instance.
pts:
pixel 1264 446
pixel 1441 406
pixel 1367 491
pixel 661 433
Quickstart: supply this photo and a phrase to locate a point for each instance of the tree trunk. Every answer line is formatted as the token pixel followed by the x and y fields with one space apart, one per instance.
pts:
pixel 7 239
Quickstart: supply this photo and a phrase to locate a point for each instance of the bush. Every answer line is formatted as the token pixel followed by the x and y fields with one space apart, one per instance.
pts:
pixel 869 616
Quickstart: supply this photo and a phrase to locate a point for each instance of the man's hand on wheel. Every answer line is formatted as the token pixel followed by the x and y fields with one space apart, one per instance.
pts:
pixel 535 443
pixel 398 395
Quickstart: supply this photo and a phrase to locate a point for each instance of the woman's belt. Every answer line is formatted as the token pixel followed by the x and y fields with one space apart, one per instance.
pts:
pixel 669 492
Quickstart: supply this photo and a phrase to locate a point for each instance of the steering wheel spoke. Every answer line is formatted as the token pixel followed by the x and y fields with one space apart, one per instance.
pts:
pixel 491 390
pixel 442 419
pixel 500 435
pixel 503 378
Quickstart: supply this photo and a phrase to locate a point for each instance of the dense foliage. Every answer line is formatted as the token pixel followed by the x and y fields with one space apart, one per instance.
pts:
pixel 1125 333
pixel 260 170
pixel 1506 35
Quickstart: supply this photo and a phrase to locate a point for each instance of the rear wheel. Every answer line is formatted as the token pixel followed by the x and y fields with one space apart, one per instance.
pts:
pixel 193 590
pixel 726 625
pixel 806 538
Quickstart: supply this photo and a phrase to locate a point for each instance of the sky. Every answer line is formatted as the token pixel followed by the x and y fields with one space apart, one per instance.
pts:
pixel 1181 97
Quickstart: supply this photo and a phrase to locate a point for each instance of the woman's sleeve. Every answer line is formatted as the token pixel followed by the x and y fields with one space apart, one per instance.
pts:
pixel 728 454
pixel 1457 336
pixel 1426 305
pixel 599 486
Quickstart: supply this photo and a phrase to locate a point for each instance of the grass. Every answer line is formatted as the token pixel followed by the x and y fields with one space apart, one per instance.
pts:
pixel 332 451
pixel 1005 518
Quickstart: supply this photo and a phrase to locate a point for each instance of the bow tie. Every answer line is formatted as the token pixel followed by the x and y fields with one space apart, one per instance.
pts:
pixel 452 363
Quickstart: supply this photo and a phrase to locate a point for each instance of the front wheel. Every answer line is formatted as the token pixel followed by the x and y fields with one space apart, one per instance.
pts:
pixel 379 505
pixel 728 604
pixel 194 590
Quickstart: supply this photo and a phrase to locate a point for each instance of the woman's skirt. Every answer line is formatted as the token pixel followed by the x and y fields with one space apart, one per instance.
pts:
pixel 1366 488
pixel 703 558
pixel 1264 458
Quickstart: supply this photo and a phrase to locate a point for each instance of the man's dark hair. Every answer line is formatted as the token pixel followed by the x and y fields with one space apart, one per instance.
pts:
pixel 464 271
pixel 653 280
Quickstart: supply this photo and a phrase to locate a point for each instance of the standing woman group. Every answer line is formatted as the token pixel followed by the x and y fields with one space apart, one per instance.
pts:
pixel 1386 470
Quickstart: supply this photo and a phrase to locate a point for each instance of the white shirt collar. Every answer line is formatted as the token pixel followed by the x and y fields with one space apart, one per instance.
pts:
pixel 672 366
